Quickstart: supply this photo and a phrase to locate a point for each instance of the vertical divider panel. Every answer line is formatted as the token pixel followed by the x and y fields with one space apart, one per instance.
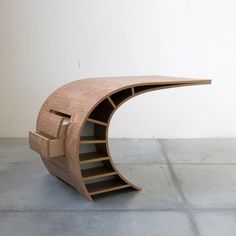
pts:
pixel 112 103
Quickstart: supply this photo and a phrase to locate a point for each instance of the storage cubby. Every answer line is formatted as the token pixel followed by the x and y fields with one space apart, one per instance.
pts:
pixel 139 89
pixel 93 133
pixel 107 185
pixel 143 88
pixel 88 129
pixel 90 153
pixel 90 157
pixel 97 170
pixel 102 112
pixel 120 96
pixel 84 166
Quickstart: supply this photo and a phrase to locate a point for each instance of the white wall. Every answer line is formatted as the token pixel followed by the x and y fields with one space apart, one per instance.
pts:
pixel 46 43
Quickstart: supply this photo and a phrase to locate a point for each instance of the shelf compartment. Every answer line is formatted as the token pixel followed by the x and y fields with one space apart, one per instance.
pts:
pixel 91 139
pixel 92 129
pixel 143 88
pixel 119 97
pixel 97 122
pixel 102 111
pixel 106 186
pixel 139 89
pixel 97 172
pixel 91 157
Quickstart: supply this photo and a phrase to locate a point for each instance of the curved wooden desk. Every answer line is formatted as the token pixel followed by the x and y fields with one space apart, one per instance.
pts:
pixel 72 129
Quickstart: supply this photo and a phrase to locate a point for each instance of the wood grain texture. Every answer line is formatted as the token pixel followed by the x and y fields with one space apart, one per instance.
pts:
pixel 50 123
pixel 64 115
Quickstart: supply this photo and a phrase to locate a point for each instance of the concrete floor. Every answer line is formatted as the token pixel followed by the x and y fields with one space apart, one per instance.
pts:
pixel 189 188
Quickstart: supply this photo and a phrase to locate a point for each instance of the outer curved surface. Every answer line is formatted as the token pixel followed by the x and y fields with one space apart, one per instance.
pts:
pixel 63 119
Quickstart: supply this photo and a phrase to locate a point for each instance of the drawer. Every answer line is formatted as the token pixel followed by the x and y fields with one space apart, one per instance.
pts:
pixel 46 145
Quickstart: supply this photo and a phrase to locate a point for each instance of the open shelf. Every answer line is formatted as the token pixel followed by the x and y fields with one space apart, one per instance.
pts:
pixel 142 88
pixel 106 186
pixel 96 122
pixel 97 172
pixel 91 157
pixel 119 97
pixel 102 111
pixel 92 139
pixel 139 89
pixel 93 132
pixel 93 147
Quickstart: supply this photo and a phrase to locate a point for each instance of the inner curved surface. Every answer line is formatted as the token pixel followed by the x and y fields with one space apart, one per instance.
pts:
pixel 98 120
pixel 96 130
pixel 121 149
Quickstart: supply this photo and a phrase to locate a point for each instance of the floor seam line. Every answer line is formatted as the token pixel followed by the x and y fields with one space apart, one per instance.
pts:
pixel 206 210
pixel 192 221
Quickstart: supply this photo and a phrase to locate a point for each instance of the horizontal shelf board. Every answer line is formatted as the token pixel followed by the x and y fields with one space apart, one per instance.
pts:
pixel 97 172
pixel 97 122
pixel 92 157
pixel 91 139
pixel 106 186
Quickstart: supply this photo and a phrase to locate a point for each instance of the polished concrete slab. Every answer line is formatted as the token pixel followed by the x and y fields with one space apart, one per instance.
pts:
pixel 216 223
pixel 47 192
pixel 200 150
pixel 132 223
pixel 16 150
pixel 208 186
pixel 136 151
pixel 188 188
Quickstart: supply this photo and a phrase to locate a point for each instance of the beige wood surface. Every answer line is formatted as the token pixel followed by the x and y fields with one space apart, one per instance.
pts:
pixel 58 137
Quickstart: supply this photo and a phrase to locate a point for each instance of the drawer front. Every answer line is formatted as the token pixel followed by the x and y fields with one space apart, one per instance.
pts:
pixel 45 146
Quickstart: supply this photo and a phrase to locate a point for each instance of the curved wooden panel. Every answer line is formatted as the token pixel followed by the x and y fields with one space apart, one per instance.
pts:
pixel 72 129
